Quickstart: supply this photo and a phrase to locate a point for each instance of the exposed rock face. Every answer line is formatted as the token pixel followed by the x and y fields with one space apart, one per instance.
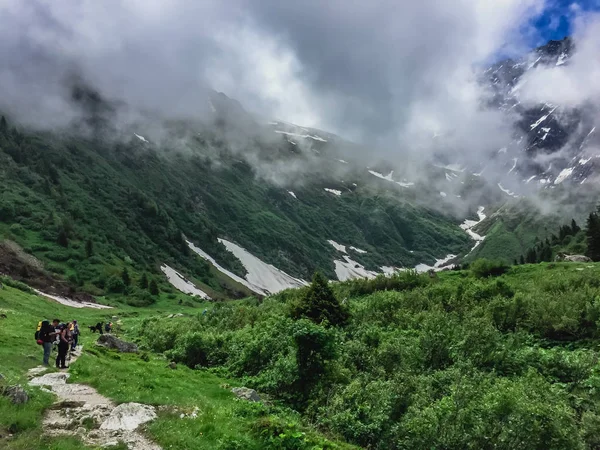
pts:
pixel 128 416
pixel 572 258
pixel 16 394
pixel 246 394
pixel 109 341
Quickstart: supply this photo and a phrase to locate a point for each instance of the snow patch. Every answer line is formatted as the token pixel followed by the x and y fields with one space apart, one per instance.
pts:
pixel 507 192
pixel 349 269
pixel 388 177
pixel 333 191
pixel 530 178
pixel 141 138
pixel 266 277
pixel 561 59
pixel 179 282
pixel 303 136
pixel 443 194
pixel 338 247
pixel 262 278
pixel 342 161
pixel 468 226
pixel 292 194
pixel 358 250
pixel 440 264
pixel 583 161
pixel 514 165
pixel 72 303
pixel 563 175
pixel 212 107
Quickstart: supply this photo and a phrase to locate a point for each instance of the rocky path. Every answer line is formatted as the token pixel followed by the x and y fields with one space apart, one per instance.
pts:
pixel 80 410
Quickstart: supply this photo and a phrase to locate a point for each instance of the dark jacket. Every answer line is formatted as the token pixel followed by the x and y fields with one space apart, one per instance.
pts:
pixel 46 333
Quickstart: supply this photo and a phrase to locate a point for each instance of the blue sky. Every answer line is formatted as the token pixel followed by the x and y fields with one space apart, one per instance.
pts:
pixel 556 21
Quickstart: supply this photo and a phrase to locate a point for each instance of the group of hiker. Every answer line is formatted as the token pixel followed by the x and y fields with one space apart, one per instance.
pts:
pixel 65 336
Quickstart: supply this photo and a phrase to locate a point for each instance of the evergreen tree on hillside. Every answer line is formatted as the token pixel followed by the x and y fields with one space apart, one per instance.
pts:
pixel 153 288
pixel 89 248
pixel 593 236
pixel 522 260
pixel 574 227
pixel 531 257
pixel 125 277
pixel 319 304
pixel 143 281
pixel 3 126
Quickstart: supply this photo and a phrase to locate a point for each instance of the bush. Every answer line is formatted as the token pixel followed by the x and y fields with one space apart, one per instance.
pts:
pixel 115 285
pixel 483 268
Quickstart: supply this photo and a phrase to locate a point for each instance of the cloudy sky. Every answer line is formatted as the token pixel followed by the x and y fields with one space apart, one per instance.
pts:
pixel 378 71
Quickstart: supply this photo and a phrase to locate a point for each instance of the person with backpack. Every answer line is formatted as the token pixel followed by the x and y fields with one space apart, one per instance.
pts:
pixel 74 334
pixel 45 336
pixel 64 343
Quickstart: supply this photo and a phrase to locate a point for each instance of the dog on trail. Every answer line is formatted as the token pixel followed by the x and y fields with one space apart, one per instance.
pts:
pixel 97 327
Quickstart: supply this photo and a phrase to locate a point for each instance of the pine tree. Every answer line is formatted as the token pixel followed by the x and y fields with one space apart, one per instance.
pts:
pixel 531 257
pixel 593 236
pixel 3 126
pixel 319 304
pixel 153 287
pixel 144 281
pixel 574 227
pixel 63 237
pixel 522 260
pixel 125 277
pixel 515 262
pixel 89 248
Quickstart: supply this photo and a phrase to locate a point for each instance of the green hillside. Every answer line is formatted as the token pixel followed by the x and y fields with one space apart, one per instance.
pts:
pixel 458 361
pixel 87 207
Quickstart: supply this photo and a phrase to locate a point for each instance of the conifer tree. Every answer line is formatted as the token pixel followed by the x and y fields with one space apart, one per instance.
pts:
pixel 143 281
pixel 153 287
pixel 522 260
pixel 574 227
pixel 593 236
pixel 319 304
pixel 89 248
pixel 125 277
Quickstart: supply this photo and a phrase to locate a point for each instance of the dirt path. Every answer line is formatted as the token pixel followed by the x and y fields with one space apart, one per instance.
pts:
pixel 80 410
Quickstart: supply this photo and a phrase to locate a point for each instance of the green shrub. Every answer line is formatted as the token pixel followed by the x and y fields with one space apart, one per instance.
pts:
pixel 483 268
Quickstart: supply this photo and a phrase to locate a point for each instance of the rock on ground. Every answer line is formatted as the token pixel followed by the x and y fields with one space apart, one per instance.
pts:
pixel 246 394
pixel 128 416
pixel 109 341
pixel 79 405
pixel 16 394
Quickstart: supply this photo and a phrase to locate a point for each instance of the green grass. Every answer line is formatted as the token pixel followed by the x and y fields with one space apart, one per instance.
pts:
pixel 223 422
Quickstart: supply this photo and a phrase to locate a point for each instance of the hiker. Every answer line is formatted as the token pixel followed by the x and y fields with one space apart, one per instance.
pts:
pixel 74 334
pixel 47 335
pixel 63 346
pixel 108 327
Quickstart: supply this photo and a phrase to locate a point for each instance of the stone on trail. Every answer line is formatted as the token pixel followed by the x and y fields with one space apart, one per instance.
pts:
pixel 246 394
pixel 16 394
pixel 109 341
pixel 128 416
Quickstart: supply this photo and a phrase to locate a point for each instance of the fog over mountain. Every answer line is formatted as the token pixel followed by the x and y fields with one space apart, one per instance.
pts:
pixel 405 82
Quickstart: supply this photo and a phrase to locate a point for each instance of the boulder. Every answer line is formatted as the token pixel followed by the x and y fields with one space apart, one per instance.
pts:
pixel 16 394
pixel 246 394
pixel 128 416
pixel 572 258
pixel 109 341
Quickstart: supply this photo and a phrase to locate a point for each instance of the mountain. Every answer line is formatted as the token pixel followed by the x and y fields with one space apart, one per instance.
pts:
pixel 212 205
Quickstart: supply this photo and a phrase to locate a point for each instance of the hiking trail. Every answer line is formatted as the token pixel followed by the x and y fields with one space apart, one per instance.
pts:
pixel 81 411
